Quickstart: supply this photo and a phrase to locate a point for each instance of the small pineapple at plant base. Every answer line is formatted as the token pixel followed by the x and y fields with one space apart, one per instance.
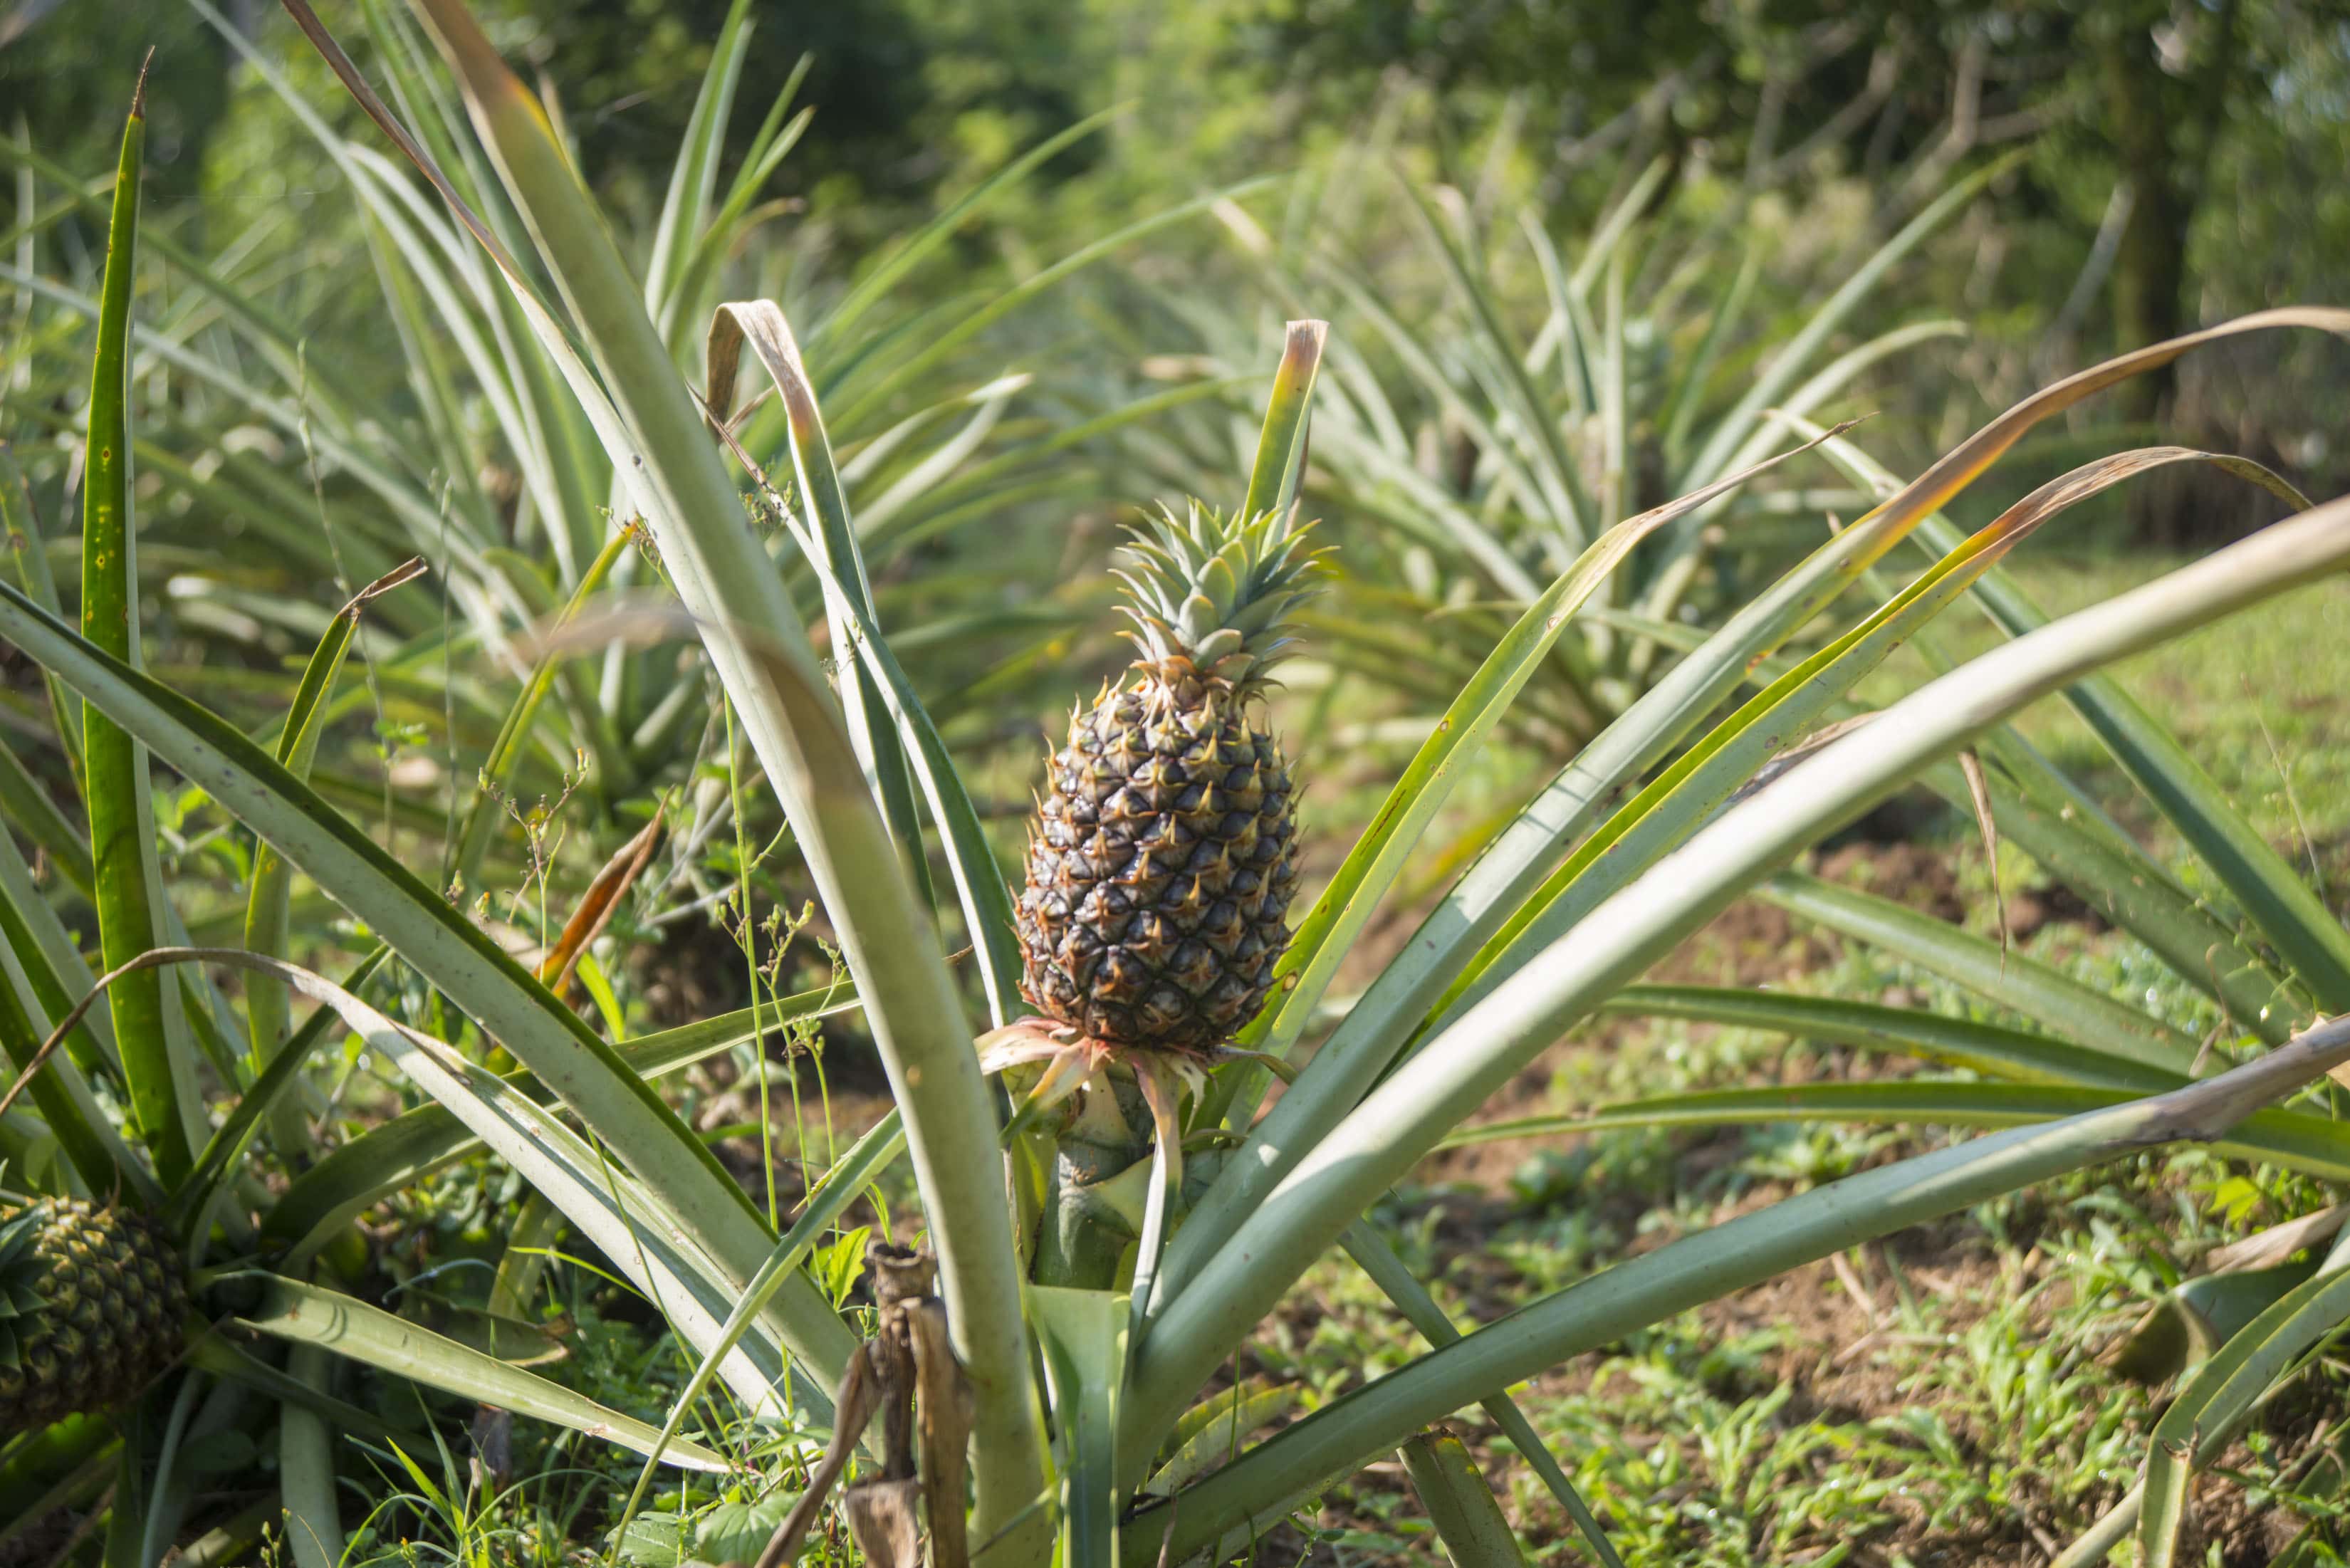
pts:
pixel 1162 862
pixel 91 1305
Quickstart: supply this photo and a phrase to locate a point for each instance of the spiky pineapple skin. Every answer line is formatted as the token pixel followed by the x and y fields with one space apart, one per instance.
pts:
pixel 101 1296
pixel 1160 869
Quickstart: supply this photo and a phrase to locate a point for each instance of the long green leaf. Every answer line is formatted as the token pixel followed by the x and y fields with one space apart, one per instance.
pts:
pixel 311 1314
pixel 829 537
pixel 218 1355
pixel 2294 1140
pixel 1210 1433
pixel 1375 1258
pixel 305 1468
pixel 2126 886
pixel 1467 1516
pixel 395 1154
pixel 1737 750
pixel 55 973
pixel 2220 1394
pixel 2087 1016
pixel 2010 1054
pixel 20 528
pixel 121 824
pixel 26 803
pixel 272 883
pixel 693 175
pixel 1612 230
pixel 58 1090
pixel 2276 899
pixel 1697 374
pixel 1281 447
pixel 774 141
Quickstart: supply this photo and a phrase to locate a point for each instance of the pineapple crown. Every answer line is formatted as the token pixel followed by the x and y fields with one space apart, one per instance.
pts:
pixel 1209 594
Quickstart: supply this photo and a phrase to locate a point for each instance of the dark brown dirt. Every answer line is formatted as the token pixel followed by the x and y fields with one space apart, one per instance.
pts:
pixel 1921 876
pixel 42 1541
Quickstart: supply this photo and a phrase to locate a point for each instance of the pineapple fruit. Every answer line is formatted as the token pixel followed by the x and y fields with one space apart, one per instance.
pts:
pixel 1163 859
pixel 91 1304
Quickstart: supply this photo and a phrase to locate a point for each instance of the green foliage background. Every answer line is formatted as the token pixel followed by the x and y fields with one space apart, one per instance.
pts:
pixel 2215 129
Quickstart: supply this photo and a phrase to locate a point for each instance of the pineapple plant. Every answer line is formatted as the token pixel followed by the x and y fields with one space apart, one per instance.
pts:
pixel 91 1300
pixel 1077 1384
pixel 1163 859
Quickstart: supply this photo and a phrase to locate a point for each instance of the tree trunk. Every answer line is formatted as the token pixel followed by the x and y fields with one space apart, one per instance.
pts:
pixel 2150 265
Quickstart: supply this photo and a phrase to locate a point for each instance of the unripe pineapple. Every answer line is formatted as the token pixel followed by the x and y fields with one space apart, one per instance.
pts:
pixel 92 1302
pixel 1162 862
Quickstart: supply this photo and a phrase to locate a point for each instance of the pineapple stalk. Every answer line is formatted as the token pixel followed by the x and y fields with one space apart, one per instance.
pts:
pixel 1161 865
